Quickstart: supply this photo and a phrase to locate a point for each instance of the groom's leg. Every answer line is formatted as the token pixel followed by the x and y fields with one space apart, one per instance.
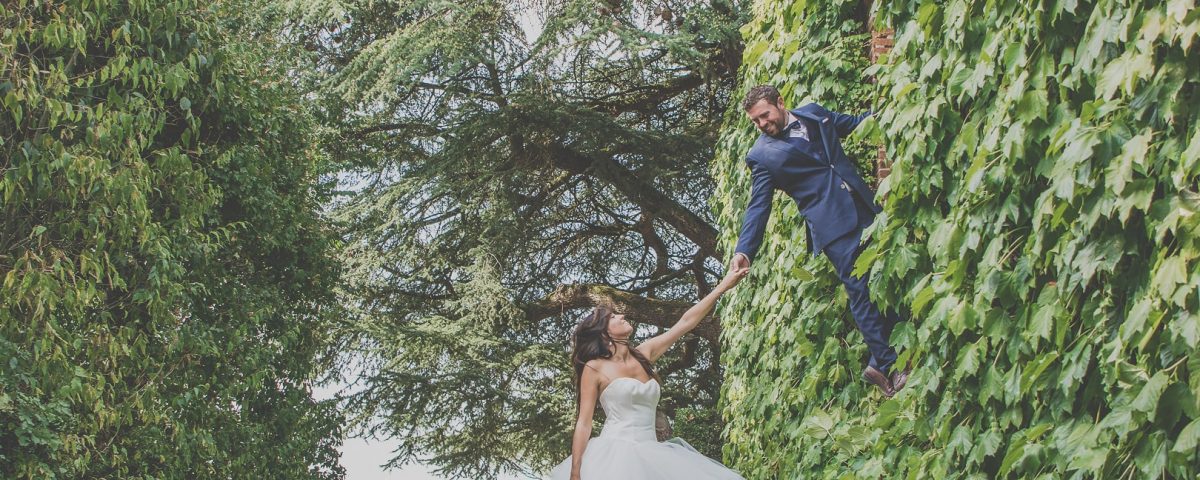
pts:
pixel 875 327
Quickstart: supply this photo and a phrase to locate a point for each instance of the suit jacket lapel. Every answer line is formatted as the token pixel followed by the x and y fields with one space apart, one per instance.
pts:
pixel 812 121
pixel 822 128
pixel 780 144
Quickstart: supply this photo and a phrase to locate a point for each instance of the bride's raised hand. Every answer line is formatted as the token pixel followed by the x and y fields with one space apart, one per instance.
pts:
pixel 732 278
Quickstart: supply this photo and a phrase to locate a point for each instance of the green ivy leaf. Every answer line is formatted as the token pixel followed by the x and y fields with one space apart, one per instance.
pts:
pixel 1147 399
pixel 1188 438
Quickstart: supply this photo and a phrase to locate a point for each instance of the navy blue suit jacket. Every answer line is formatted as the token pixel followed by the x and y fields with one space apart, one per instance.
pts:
pixel 815 184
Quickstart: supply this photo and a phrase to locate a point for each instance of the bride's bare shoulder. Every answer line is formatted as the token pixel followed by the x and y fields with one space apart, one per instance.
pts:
pixel 603 368
pixel 598 364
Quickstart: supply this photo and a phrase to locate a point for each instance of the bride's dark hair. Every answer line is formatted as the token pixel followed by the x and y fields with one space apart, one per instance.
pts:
pixel 591 341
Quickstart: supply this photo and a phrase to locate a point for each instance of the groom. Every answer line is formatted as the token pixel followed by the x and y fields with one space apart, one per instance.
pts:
pixel 800 153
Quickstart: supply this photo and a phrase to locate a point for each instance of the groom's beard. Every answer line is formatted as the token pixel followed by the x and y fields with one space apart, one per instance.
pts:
pixel 776 128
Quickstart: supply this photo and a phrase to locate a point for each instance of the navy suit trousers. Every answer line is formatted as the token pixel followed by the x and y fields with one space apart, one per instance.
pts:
pixel 875 326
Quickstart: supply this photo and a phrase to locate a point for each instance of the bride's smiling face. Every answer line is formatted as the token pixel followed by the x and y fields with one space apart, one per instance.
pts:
pixel 618 327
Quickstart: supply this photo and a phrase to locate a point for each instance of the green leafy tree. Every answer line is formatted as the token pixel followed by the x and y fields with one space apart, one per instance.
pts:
pixel 513 163
pixel 1040 225
pixel 165 278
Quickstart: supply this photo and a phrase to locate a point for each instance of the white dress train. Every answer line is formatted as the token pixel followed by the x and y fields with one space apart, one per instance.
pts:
pixel 627 448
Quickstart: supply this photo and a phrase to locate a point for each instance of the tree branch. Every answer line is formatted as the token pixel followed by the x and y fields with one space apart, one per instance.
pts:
pixel 642 193
pixel 423 129
pixel 652 311
pixel 645 96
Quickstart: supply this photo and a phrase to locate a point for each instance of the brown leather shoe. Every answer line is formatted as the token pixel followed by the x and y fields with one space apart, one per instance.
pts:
pixel 900 377
pixel 873 375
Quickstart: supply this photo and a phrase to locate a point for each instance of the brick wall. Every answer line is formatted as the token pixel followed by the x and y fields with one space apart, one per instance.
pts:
pixel 881 43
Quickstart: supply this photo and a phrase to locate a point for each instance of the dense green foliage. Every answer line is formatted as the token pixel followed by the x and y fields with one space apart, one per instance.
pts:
pixel 1040 224
pixel 165 274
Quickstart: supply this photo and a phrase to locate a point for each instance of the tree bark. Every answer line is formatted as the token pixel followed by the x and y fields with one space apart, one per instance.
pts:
pixel 639 309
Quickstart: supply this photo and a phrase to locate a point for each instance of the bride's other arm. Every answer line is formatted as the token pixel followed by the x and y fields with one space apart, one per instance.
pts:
pixel 589 386
pixel 658 345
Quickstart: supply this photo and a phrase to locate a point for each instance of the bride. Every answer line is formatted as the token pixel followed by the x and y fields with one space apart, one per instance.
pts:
pixel 622 378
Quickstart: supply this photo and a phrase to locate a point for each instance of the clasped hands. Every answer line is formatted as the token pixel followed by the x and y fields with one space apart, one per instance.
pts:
pixel 739 267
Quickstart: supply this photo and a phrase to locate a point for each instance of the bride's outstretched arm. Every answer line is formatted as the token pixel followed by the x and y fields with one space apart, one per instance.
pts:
pixel 658 345
pixel 589 386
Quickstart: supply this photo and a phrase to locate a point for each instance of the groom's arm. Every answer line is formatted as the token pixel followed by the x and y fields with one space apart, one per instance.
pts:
pixel 845 124
pixel 754 224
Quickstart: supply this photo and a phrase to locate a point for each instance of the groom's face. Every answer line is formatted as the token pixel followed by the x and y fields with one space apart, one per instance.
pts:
pixel 770 118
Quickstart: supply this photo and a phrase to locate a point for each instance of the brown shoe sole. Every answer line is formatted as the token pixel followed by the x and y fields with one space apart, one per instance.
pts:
pixel 876 377
pixel 899 378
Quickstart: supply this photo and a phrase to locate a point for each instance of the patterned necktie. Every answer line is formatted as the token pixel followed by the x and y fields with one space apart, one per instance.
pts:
pixel 796 129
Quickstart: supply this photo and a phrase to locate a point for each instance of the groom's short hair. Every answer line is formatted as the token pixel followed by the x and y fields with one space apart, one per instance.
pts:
pixel 761 92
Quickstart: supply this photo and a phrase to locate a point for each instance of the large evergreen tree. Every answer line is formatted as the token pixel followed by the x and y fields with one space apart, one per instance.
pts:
pixel 512 162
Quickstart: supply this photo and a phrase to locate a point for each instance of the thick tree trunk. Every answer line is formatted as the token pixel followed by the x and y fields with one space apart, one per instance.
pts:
pixel 639 309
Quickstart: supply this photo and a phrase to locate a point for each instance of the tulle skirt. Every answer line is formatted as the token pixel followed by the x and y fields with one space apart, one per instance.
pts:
pixel 622 459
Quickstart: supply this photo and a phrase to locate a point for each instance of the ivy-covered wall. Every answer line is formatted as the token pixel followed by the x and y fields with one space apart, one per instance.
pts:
pixel 1040 224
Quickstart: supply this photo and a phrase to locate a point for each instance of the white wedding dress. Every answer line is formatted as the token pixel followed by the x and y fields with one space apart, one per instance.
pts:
pixel 627 448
